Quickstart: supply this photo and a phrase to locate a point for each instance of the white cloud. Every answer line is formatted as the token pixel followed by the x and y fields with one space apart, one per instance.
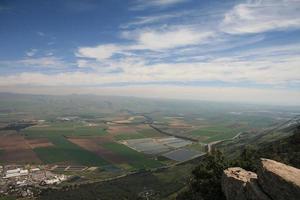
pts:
pixel 261 16
pixel 48 61
pixel 172 38
pixel 40 33
pixel 143 4
pixel 146 20
pixel 147 39
pixel 100 52
pixel 31 52
pixel 274 71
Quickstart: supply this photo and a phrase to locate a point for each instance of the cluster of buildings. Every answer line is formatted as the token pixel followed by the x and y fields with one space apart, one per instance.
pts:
pixel 25 181
pixel 16 173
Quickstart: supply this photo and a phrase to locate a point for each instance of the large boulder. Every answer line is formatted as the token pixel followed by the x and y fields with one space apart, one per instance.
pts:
pixel 279 181
pixel 239 184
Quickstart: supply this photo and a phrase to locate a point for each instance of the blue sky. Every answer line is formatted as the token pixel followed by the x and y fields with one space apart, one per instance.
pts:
pixel 198 49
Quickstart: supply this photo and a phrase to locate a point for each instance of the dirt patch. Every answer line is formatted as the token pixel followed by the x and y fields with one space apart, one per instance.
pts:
pixel 16 150
pixel 116 130
pixel 93 145
pixel 42 142
pixel 177 123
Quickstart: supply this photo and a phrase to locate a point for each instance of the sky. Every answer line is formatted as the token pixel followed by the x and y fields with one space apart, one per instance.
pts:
pixel 237 50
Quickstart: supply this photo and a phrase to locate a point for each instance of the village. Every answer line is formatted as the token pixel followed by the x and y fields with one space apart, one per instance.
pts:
pixel 25 181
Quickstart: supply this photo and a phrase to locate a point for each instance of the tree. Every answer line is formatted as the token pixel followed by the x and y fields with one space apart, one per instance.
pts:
pixel 206 179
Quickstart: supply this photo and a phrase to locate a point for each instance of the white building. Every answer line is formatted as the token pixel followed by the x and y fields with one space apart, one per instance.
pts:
pixel 35 169
pixel 12 171
pixel 24 172
pixel 16 173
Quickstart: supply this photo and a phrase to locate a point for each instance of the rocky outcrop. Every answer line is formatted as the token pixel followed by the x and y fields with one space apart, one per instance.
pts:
pixel 239 184
pixel 274 181
pixel 280 181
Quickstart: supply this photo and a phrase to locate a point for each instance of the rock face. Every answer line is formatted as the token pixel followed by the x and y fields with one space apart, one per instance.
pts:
pixel 280 181
pixel 274 181
pixel 239 184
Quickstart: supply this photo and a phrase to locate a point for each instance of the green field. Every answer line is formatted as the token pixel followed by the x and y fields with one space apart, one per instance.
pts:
pixel 65 151
pixel 144 133
pixel 64 128
pixel 216 133
pixel 128 136
pixel 135 159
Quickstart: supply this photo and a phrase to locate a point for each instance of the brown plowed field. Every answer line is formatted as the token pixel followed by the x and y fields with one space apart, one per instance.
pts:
pixel 16 150
pixel 93 145
pixel 117 129
pixel 42 142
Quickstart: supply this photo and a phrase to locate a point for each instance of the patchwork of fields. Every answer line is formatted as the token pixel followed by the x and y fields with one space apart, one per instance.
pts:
pixel 156 145
pixel 82 144
pixel 122 142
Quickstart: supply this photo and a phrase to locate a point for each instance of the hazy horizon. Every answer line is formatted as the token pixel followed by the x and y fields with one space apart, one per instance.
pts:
pixel 159 96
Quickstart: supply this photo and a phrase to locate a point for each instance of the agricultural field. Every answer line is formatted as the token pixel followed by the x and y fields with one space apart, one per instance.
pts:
pixel 15 149
pixel 215 133
pixel 182 155
pixel 118 135
pixel 88 144
pixel 156 145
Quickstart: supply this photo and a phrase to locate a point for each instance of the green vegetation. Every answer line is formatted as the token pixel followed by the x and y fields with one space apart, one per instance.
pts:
pixel 7 198
pixel 216 133
pixel 135 159
pixel 65 151
pixel 64 128
pixel 206 177
pixel 129 136
pixel 197 147
pixel 150 133
pixel 144 133
pixel 161 184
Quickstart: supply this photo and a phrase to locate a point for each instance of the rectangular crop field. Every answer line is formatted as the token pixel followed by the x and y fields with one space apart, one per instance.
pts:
pixel 135 159
pixel 215 133
pixel 65 151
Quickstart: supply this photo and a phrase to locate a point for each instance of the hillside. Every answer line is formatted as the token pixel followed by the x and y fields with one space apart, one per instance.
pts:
pixel 206 177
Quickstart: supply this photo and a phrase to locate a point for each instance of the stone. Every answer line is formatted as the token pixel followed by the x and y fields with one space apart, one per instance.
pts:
pixel 279 181
pixel 239 184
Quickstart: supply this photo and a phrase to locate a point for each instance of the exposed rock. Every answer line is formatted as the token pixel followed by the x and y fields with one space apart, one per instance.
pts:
pixel 279 181
pixel 239 184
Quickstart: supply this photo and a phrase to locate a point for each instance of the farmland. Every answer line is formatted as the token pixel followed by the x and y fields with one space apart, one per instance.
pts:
pixel 135 159
pixel 83 143
pixel 118 136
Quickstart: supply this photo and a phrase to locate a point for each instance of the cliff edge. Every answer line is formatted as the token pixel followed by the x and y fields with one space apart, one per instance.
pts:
pixel 273 181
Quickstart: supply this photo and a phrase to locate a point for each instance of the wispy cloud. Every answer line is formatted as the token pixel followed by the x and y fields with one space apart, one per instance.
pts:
pixel 99 52
pixel 40 33
pixel 46 62
pixel 261 16
pixel 146 20
pixel 143 4
pixel 274 71
pixel 31 52
pixel 171 38
pixel 49 61
pixel 148 40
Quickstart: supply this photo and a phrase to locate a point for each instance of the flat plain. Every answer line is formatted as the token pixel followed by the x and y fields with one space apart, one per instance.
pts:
pixel 118 134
